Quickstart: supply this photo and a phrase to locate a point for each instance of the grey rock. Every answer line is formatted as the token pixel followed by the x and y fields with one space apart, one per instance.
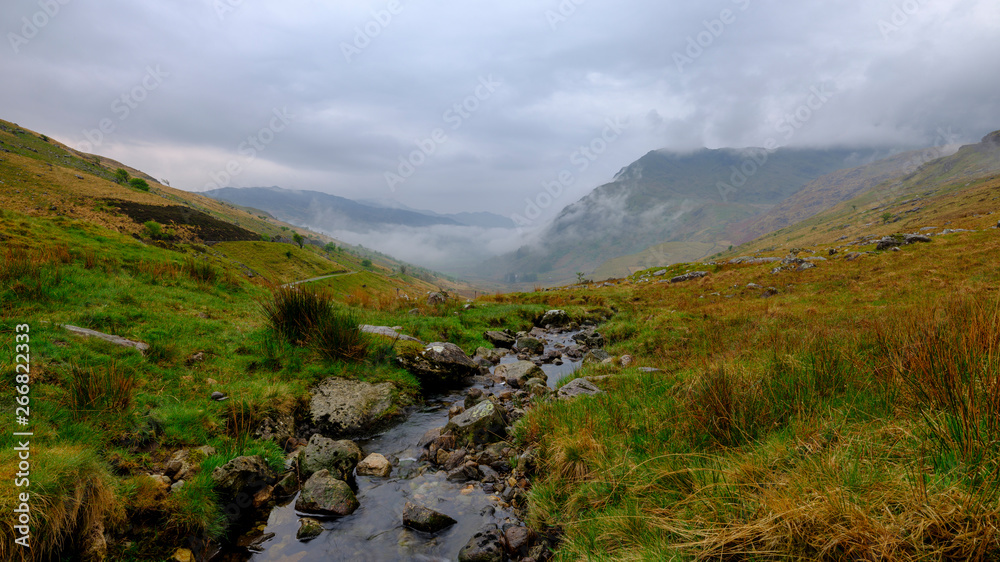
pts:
pixel 481 424
pixel 805 266
pixel 375 464
pixel 425 519
pixel 117 340
pixel 688 276
pixel 531 345
pixel 519 373
pixel 279 429
pixel 660 273
pixel 485 546
pixel 590 338
pixel 218 396
pixel 578 387
pixel 492 356
pixel 555 318
pixel 518 540
pixel 387 332
pixel 325 494
pixel 243 475
pixel 439 365
pixel 309 529
pixel 337 457
pixel 500 339
pixel 343 408
pixel 436 298
pixel 596 356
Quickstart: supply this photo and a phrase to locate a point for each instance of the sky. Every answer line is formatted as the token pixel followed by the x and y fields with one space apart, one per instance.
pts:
pixel 486 106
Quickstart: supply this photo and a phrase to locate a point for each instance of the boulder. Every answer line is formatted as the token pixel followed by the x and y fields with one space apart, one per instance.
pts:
pixel 388 332
pixel 596 356
pixel 375 464
pixel 590 338
pixel 279 429
pixel 480 424
pixel 484 546
pixel 436 298
pixel 183 464
pixel 492 356
pixel 439 365
pixel 519 373
pixel 324 494
pixel 309 529
pixel 500 339
pixel 578 387
pixel 688 276
pixel 424 519
pixel 531 345
pixel 243 475
pixel 347 408
pixel 554 318
pixel 337 457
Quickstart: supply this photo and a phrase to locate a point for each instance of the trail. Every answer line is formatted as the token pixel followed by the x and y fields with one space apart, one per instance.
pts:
pixel 294 283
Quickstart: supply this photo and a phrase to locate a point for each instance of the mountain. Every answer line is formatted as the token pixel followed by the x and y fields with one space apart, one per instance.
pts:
pixel 481 219
pixel 313 207
pixel 668 197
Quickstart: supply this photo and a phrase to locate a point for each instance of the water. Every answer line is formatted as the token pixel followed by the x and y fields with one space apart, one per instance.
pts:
pixel 375 531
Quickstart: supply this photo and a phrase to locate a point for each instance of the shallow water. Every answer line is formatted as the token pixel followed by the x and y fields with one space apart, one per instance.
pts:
pixel 375 531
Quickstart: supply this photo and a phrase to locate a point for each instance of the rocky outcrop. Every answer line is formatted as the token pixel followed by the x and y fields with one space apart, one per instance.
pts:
pixel 688 276
pixel 590 338
pixel 346 408
pixel 424 519
pixel 336 457
pixel 439 365
pixel 324 494
pixel 897 240
pixel 554 318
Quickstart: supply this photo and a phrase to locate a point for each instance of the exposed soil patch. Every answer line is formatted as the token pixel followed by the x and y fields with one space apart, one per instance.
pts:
pixel 204 226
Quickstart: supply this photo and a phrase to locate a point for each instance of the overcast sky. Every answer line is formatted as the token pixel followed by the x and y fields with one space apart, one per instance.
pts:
pixel 487 100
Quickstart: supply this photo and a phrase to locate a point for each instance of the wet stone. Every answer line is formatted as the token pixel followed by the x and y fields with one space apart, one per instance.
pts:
pixel 484 546
pixel 424 519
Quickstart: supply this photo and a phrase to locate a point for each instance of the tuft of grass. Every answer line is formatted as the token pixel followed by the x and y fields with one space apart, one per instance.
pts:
pixel 306 317
pixel 106 388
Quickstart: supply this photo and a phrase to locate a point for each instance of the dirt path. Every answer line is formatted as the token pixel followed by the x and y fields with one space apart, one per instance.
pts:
pixel 318 278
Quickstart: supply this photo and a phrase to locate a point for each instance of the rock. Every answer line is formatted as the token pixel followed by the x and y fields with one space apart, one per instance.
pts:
pixel 915 238
pixel 279 430
pixel 531 345
pixel 492 356
pixel 388 332
pixel 337 457
pixel 288 485
pixel 436 298
pixel 595 356
pixel 439 365
pixel 484 546
pixel 627 360
pixel 430 436
pixel 660 273
pixel 463 473
pixel 482 424
pixel 518 540
pixel 554 318
pixel 805 266
pixel 347 408
pixel 517 374
pixel 590 338
pixel 500 339
pixel 117 340
pixel 218 396
pixel 578 387
pixel 242 475
pixel 309 529
pixel 375 464
pixel 183 555
pixel 424 519
pixel 176 486
pixel 769 292
pixel 688 276
pixel 650 370
pixel 473 397
pixel 324 494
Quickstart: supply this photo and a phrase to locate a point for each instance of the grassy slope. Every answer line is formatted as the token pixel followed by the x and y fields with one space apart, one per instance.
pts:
pixel 850 416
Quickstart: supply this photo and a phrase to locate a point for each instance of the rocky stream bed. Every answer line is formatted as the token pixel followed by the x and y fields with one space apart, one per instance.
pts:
pixel 445 483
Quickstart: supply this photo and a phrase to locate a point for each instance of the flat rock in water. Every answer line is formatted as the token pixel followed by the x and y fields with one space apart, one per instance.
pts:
pixel 375 464
pixel 344 408
pixel 439 365
pixel 424 519
pixel 578 387
pixel 500 339
pixel 323 494
pixel 517 374
pixel 482 423
pixel 309 529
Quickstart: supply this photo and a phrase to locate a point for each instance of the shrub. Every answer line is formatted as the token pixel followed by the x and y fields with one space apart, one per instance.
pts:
pixel 139 183
pixel 153 228
pixel 366 263
pixel 122 176
pixel 298 239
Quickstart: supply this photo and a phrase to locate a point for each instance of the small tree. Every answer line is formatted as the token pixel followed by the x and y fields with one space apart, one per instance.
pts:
pixel 139 183
pixel 298 239
pixel 580 278
pixel 330 247
pixel 366 263
pixel 122 176
pixel 886 217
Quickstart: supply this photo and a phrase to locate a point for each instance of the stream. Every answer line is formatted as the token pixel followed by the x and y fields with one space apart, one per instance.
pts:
pixel 375 531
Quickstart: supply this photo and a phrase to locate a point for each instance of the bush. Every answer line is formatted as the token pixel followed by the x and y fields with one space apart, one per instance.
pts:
pixel 122 176
pixel 153 228
pixel 139 183
pixel 366 263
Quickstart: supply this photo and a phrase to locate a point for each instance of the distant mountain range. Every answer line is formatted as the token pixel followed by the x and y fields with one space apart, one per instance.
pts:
pixel 330 212
pixel 688 198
